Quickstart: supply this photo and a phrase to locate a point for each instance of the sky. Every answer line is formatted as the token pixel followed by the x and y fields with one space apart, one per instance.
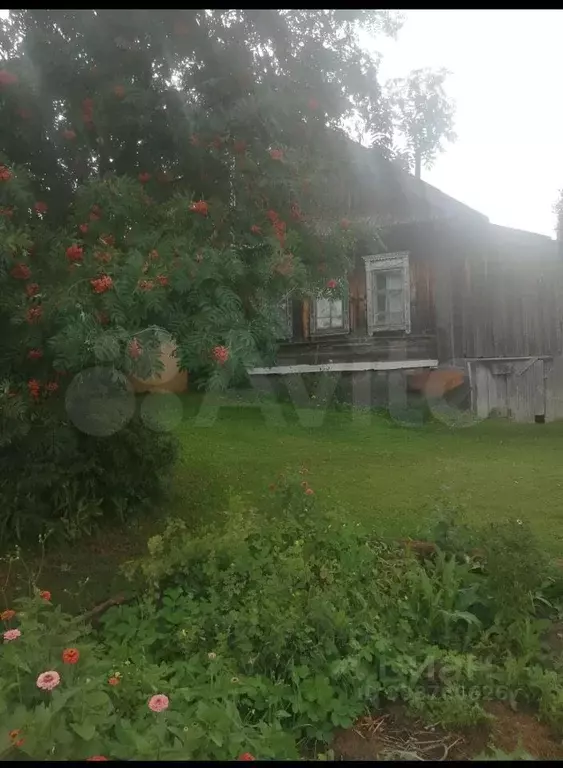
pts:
pixel 508 159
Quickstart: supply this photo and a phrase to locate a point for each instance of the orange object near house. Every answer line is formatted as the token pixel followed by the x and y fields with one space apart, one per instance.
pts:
pixel 170 379
pixel 438 382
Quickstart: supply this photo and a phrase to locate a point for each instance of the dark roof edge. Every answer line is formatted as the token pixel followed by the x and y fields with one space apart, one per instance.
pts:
pixel 444 205
pixel 513 231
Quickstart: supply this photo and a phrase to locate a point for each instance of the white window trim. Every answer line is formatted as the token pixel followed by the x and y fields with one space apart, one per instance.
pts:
pixel 344 328
pixel 379 263
pixel 286 307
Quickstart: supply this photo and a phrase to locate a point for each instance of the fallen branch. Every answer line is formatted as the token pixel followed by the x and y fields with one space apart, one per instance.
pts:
pixel 98 610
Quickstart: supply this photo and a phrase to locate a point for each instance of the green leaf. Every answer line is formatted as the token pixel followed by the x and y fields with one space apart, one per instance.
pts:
pixel 216 738
pixel 60 698
pixel 21 664
pixel 85 730
pixel 97 698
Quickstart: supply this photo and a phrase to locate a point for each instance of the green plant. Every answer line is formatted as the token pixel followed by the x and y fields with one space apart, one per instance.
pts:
pixel 494 753
pixel 79 479
pixel 270 629
pixel 450 534
pixel 65 697
pixel 319 618
pixel 517 568
pixel 455 706
pixel 444 595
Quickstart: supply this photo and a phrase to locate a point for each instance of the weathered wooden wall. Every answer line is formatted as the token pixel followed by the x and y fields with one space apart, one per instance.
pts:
pixel 477 290
pixel 347 348
pixel 515 389
pixel 525 390
pixel 498 293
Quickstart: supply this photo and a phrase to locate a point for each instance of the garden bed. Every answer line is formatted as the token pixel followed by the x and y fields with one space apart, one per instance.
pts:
pixel 278 628
pixel 394 735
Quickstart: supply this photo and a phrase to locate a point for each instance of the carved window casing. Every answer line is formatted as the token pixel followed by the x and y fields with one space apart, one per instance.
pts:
pixel 388 292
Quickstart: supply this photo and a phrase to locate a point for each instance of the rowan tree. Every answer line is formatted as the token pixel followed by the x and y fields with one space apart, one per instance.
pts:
pixel 177 170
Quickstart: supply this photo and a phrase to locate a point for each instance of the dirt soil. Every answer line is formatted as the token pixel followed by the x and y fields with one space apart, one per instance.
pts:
pixel 396 736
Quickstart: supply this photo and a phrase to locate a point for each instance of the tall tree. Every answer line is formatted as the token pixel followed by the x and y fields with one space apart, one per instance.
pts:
pixel 422 115
pixel 133 89
pixel 174 169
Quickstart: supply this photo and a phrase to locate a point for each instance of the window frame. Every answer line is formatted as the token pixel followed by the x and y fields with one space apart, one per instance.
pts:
pixel 386 262
pixel 285 305
pixel 344 328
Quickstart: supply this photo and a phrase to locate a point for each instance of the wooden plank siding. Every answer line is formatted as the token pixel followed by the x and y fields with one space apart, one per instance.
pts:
pixel 477 290
pixel 502 295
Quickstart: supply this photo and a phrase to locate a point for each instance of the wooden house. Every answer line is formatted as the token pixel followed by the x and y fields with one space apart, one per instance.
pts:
pixel 447 300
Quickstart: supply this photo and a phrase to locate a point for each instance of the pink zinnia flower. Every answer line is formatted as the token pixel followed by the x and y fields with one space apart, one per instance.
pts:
pixel 158 702
pixel 48 680
pixel 11 634
pixel 309 491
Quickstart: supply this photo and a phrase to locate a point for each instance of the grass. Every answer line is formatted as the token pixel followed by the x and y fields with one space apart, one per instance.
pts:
pixel 398 479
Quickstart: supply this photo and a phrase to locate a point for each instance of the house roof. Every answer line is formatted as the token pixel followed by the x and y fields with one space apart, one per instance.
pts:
pixel 386 196
pixel 522 245
pixel 509 234
pixel 389 195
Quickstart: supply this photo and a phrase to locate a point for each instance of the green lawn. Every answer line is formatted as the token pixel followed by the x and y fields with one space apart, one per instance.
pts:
pixel 396 479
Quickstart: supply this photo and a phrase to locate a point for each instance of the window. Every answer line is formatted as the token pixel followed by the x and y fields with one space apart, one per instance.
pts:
pixel 329 315
pixel 388 292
